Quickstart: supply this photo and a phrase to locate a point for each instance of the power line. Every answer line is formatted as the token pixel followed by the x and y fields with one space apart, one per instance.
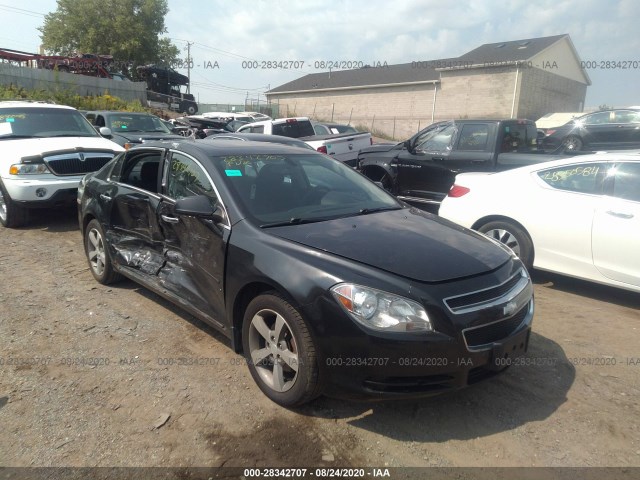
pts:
pixel 21 11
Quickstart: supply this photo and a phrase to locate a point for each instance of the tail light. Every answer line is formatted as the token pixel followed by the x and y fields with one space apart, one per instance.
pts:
pixel 458 191
pixel 292 120
pixel 322 149
pixel 551 131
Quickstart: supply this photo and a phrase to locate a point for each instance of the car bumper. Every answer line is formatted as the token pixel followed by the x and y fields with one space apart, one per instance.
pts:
pixel 42 192
pixel 373 367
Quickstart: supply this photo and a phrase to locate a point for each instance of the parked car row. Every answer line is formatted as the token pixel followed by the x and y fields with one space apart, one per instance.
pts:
pixel 324 281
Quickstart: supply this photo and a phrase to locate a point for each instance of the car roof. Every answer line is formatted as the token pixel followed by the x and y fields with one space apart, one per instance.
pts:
pixel 32 104
pixel 260 137
pixel 229 147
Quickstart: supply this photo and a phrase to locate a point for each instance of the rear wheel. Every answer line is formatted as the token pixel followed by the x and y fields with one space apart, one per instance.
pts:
pixel 12 215
pixel 280 351
pixel 98 254
pixel 572 143
pixel 513 237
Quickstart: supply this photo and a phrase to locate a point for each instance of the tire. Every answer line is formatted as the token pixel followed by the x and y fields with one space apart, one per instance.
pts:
pixel 512 236
pixel 189 108
pixel 98 256
pixel 12 215
pixel 572 143
pixel 269 318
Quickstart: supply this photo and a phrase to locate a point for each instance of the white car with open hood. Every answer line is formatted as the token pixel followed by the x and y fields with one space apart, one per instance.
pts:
pixel 45 150
pixel 578 216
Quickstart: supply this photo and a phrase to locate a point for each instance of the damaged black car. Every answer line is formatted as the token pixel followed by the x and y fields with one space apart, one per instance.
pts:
pixel 325 282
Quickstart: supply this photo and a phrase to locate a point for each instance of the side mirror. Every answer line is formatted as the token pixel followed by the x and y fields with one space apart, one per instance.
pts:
pixel 408 145
pixel 105 132
pixel 199 206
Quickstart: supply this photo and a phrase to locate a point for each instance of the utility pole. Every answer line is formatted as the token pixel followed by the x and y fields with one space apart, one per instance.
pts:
pixel 189 65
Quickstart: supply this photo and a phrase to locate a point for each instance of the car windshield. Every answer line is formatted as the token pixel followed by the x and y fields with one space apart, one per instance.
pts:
pixel 35 122
pixel 292 189
pixel 136 123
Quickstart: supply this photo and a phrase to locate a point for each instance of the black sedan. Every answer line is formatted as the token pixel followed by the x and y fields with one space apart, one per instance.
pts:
pixel 322 279
pixel 129 128
pixel 607 129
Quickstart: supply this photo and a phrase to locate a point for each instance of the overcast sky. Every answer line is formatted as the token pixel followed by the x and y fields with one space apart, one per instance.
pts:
pixel 369 31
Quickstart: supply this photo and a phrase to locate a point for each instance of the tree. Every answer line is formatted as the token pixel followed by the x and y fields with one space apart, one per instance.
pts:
pixel 129 30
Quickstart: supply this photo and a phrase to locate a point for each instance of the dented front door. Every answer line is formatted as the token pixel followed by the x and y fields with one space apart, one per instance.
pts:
pixel 194 248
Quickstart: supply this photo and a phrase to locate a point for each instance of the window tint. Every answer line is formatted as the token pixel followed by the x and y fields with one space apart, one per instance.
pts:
pixel 473 137
pixel 139 169
pixel 437 140
pixel 186 178
pixel 627 181
pixel 597 118
pixel 626 116
pixel 583 178
pixel 294 129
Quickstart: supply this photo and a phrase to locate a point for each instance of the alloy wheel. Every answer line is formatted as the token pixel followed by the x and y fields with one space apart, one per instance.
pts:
pixel 95 251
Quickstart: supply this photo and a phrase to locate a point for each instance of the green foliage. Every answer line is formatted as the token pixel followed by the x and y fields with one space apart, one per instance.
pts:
pixel 129 30
pixel 67 97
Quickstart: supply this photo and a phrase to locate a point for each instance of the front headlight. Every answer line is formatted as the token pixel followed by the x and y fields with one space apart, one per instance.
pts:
pixel 380 310
pixel 28 169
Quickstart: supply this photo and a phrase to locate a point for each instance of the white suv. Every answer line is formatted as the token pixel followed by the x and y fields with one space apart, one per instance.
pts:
pixel 45 150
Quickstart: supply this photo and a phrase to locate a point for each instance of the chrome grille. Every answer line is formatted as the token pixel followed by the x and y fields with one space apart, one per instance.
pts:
pixel 482 299
pixel 77 163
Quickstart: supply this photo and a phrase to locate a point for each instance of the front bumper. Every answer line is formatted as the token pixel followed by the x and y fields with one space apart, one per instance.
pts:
pixel 373 367
pixel 41 191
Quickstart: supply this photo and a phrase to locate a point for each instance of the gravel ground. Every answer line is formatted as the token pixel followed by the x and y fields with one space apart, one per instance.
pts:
pixel 95 376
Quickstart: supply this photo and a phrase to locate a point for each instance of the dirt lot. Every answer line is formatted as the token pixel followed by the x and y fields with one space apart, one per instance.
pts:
pixel 93 376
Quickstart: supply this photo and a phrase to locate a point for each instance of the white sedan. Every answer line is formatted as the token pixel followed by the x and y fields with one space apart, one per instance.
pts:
pixel 578 216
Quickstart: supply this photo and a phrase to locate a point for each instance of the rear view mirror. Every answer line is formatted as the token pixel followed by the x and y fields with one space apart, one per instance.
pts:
pixel 105 132
pixel 198 206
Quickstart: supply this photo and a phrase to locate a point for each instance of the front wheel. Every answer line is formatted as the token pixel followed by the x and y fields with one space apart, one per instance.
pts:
pixel 513 237
pixel 12 215
pixel 280 351
pixel 98 254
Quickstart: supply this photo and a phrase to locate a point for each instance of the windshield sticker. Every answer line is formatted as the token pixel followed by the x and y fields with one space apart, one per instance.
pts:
pixel 11 120
pixel 233 173
pixel 5 128
pixel 241 160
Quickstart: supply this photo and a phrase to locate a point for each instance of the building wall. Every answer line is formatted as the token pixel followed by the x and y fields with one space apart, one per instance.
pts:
pixel 35 78
pixel 477 93
pixel 492 92
pixel 397 111
pixel 544 92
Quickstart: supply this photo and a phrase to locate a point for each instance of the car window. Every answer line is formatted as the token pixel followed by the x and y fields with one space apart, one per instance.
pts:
pixel 44 122
pixel 598 118
pixel 626 182
pixel 256 129
pixel 626 116
pixel 321 130
pixel 139 169
pixel 583 178
pixel 473 137
pixel 303 187
pixel 186 178
pixel 438 140
pixel 294 128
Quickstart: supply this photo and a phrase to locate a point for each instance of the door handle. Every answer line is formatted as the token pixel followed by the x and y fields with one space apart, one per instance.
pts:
pixel 105 197
pixel 168 219
pixel 437 159
pixel 620 215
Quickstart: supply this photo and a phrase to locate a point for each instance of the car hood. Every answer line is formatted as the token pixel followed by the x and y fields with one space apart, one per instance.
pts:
pixel 28 147
pixel 379 148
pixel 406 242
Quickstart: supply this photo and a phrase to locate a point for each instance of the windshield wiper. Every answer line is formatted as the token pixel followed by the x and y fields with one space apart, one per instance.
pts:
pixel 11 137
pixel 366 211
pixel 293 221
pixel 71 135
